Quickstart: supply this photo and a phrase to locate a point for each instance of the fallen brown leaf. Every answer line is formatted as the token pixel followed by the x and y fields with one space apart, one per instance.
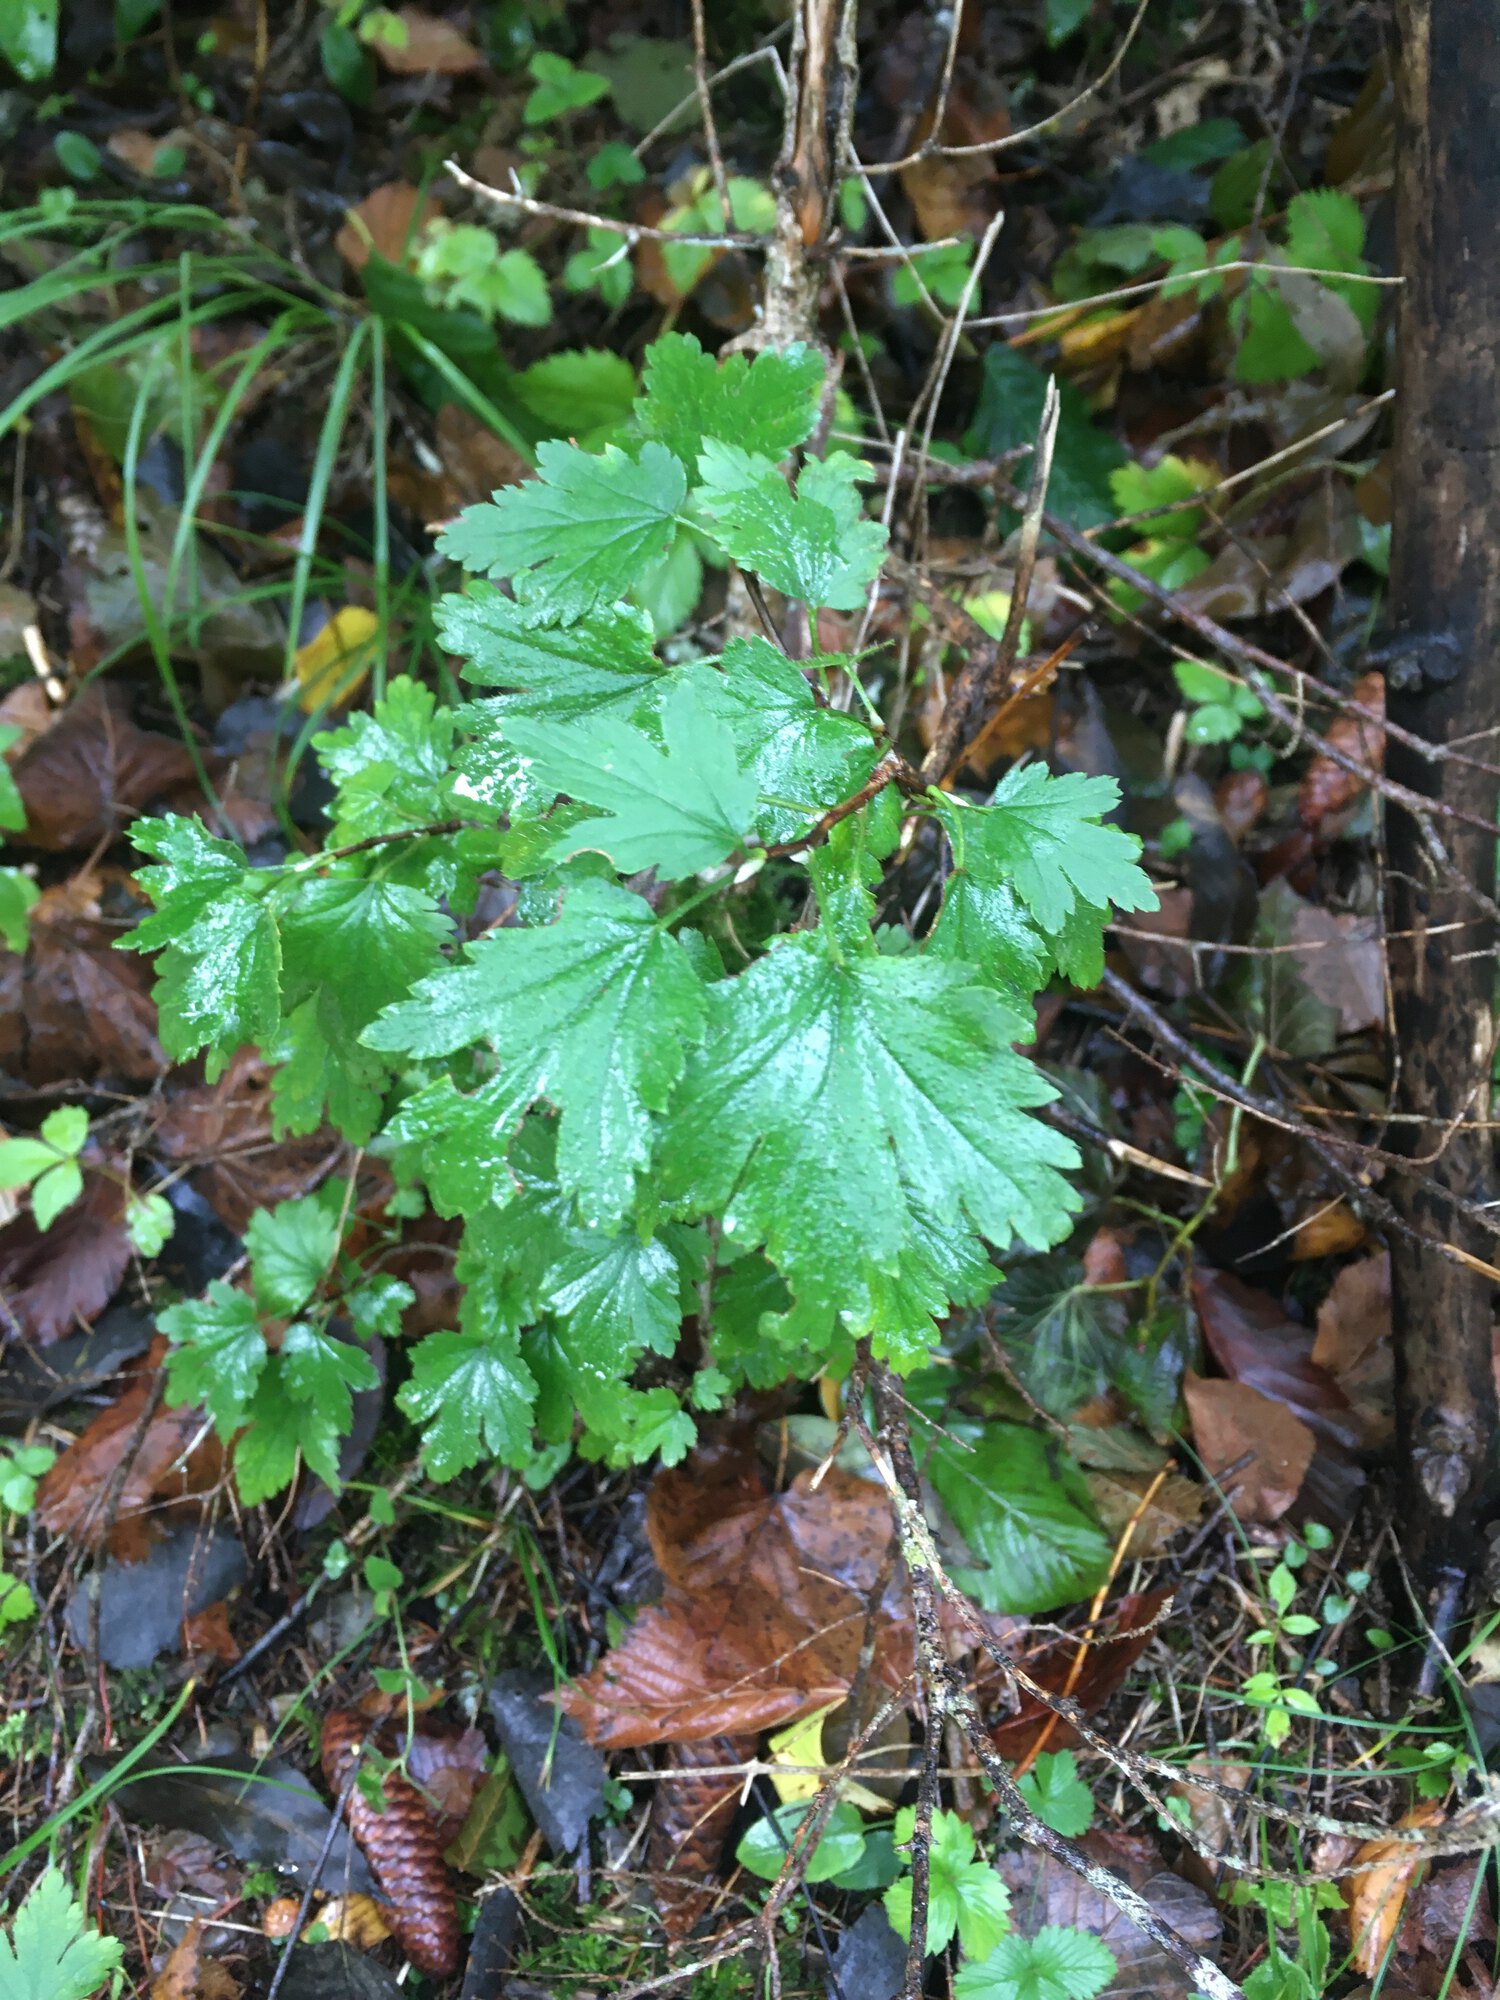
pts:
pixel 1376 1896
pixel 93 771
pixel 354 1920
pixel 1046 1891
pixel 1329 1229
pixel 431 47
pixel 448 1770
pixel 55 1279
pixel 764 1613
pixel 1233 1422
pixel 388 221
pixel 1048 1660
pixel 74 1006
pixel 1327 788
pixel 1354 1321
pixel 1343 963
pixel 207 1631
pixel 224 1130
pixel 189 1974
pixel 176 1461
pixel 1251 1338
pixel 1175 1505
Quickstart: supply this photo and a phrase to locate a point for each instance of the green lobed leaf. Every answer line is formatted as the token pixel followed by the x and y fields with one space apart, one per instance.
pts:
pixel 1009 413
pixel 864 1119
pixel 592 1012
pixel 582 531
pixel 964 1894
pixel 984 924
pixel 318 1374
pixel 1057 1795
pixel 53 1953
pixel 582 393
pixel 473 1393
pixel 12 806
pixel 218 1353
pixel 801 755
pixel 291 1249
pixel 599 664
pixel 54 1191
pixel 678 809
pixel 392 766
pixel 17 894
pixel 768 405
pixel 218 976
pixel 840 1842
pixel 1044 835
pixel 1059 1963
pixel 1024 1510
pixel 813 544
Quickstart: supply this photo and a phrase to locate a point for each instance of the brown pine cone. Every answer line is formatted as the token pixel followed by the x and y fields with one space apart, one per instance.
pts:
pixel 401 1846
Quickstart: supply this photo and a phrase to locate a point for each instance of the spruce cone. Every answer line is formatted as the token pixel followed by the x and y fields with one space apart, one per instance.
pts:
pixel 401 1846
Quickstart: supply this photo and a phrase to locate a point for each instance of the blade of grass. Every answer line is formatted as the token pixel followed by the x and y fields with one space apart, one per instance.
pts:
pixel 380 429
pixel 329 439
pixel 475 400
pixel 102 1787
pixel 156 633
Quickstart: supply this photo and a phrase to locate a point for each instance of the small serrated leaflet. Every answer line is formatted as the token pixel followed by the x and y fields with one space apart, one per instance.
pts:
pixel 768 405
pixel 1045 835
pixel 814 544
pixel 472 1393
pixel 583 530
pixel 52 1952
pixel 677 809
pixel 1059 1963
pixel 218 1353
pixel 592 1012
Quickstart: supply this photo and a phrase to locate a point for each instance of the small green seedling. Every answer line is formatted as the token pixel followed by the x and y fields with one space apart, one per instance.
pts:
pixel 1220 705
pixel 48 1164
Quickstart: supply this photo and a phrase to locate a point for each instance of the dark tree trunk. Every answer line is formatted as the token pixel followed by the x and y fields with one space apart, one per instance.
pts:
pixel 1445 684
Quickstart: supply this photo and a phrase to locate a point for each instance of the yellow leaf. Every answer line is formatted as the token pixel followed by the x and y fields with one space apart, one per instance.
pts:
pixel 331 666
pixel 800 1744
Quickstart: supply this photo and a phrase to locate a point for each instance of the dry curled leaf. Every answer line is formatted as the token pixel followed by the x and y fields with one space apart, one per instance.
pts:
pixel 94 770
pixel 386 223
pixel 1250 1336
pixel 1327 787
pixel 402 1847
pixel 1116 1642
pixel 1376 1895
pixel 1256 1447
pixel 189 1974
pixel 448 1770
pixel 173 1462
pixel 765 1609
pixel 426 45
pixel 353 1920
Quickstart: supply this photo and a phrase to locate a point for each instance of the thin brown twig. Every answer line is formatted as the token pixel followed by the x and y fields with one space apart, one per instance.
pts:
pixel 706 107
pixel 982 682
pixel 931 149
